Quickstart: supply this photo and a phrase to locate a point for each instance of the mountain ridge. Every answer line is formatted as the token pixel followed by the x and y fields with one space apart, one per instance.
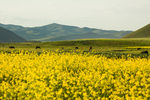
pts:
pixel 9 36
pixel 56 32
pixel 143 32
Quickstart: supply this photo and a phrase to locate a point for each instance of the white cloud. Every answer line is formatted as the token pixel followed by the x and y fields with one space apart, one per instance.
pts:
pixel 104 14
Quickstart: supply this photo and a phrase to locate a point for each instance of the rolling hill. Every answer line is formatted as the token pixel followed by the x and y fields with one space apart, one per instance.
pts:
pixel 8 36
pixel 140 33
pixel 57 32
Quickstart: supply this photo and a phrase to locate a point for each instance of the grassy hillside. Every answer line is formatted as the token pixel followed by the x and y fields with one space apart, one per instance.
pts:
pixel 8 36
pixel 82 43
pixel 101 42
pixel 140 33
pixel 57 32
pixel 105 47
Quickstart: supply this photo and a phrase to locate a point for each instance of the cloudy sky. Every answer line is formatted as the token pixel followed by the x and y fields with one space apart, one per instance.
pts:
pixel 102 14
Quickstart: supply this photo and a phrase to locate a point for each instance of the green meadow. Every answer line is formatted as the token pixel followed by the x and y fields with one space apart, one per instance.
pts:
pixel 106 47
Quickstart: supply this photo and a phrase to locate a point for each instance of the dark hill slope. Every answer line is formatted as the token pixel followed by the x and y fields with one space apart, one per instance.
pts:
pixel 57 32
pixel 8 36
pixel 140 33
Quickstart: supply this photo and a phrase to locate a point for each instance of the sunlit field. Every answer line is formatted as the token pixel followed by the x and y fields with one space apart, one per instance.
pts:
pixel 53 75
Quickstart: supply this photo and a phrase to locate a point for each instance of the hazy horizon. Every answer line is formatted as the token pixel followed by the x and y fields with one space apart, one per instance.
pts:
pixel 101 14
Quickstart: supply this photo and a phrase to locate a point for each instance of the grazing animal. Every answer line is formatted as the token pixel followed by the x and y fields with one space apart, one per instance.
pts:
pixel 144 52
pixel 76 47
pixel 11 47
pixel 90 49
pixel 38 47
pixel 138 48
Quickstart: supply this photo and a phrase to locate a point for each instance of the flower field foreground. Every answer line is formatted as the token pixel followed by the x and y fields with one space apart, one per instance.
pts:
pixel 72 76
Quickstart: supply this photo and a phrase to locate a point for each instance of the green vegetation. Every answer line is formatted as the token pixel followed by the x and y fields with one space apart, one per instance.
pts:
pixel 87 42
pixel 57 32
pixel 107 47
pixel 140 33
pixel 8 36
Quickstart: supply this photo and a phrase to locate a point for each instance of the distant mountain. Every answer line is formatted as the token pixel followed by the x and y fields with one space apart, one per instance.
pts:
pixel 8 36
pixel 57 32
pixel 140 33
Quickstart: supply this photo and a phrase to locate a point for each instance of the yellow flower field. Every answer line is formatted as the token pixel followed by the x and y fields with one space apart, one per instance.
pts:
pixel 72 76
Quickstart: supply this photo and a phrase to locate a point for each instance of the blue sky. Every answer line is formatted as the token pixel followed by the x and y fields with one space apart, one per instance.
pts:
pixel 102 14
